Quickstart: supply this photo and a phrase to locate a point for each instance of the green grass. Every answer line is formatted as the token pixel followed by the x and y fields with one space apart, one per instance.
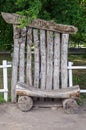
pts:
pixel 1 98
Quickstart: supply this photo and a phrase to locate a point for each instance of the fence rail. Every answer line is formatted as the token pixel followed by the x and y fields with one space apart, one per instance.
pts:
pixel 77 51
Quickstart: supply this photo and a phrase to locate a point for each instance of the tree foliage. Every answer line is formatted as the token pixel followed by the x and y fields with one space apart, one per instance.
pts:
pixel 6 37
pixel 63 11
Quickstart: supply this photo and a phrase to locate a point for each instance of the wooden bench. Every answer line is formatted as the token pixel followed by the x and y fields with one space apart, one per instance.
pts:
pixel 40 59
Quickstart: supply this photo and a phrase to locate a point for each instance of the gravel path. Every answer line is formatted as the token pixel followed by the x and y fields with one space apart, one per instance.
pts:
pixel 11 118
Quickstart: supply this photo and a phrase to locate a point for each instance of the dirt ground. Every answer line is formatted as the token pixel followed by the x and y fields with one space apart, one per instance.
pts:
pixel 11 118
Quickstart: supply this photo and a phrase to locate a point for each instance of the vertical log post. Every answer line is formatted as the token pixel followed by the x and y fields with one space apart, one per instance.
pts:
pixel 43 59
pixel 29 58
pixel 49 60
pixel 56 76
pixel 22 40
pixel 15 63
pixel 36 58
pixel 64 56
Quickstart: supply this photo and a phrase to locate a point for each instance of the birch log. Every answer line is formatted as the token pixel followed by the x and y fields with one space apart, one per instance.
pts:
pixel 22 40
pixel 36 58
pixel 43 59
pixel 15 63
pixel 49 75
pixel 25 103
pixel 70 106
pixel 40 24
pixel 72 92
pixel 64 56
pixel 29 58
pixel 56 79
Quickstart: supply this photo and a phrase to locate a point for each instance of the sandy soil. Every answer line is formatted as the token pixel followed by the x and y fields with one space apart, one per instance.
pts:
pixel 11 118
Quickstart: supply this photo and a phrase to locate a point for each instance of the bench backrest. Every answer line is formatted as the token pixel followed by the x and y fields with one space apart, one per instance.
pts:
pixel 40 54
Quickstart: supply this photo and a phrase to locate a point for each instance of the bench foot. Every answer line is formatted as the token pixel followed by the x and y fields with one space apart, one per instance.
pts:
pixel 70 106
pixel 25 103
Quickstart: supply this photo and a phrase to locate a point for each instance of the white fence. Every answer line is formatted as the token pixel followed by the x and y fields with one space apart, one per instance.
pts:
pixel 70 68
pixel 5 66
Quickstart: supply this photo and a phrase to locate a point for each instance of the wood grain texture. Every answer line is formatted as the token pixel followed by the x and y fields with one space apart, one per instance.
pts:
pixel 43 59
pixel 36 58
pixel 70 106
pixel 15 64
pixel 29 58
pixel 22 41
pixel 56 75
pixel 25 103
pixel 50 57
pixel 40 24
pixel 72 92
pixel 64 57
pixel 49 70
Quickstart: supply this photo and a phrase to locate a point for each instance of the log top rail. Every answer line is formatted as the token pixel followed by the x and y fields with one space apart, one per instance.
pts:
pixel 13 18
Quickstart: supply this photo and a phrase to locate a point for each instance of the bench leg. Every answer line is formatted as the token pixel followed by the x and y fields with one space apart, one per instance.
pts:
pixel 70 106
pixel 25 103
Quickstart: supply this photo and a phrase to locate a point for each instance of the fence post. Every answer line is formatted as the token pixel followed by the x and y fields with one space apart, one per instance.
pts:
pixel 70 74
pixel 5 81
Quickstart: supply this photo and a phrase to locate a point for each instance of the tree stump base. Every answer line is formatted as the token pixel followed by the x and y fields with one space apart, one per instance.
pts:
pixel 25 103
pixel 70 106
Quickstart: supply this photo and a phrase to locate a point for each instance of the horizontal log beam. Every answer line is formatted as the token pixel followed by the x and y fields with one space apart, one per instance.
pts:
pixel 40 24
pixel 72 92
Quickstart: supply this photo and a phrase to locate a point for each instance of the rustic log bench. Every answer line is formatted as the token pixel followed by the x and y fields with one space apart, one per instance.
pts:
pixel 25 101
pixel 40 61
